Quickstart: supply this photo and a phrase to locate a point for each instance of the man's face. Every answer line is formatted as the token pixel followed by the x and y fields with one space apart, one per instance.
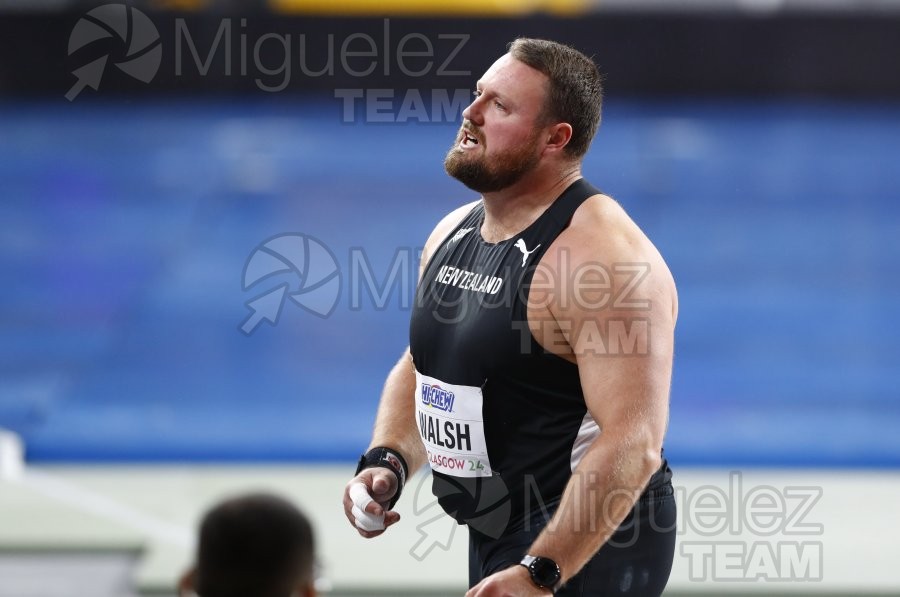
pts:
pixel 498 141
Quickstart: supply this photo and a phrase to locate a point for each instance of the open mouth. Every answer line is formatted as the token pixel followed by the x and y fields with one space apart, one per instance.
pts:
pixel 468 140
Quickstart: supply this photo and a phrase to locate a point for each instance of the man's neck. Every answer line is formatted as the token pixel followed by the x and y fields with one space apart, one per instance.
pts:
pixel 510 211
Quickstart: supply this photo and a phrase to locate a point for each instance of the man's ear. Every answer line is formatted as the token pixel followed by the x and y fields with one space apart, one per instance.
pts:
pixel 187 583
pixel 558 137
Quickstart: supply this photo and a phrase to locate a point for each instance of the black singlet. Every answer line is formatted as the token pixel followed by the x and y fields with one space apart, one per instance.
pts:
pixel 504 422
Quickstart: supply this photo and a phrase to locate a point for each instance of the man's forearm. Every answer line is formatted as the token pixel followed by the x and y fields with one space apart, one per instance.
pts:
pixel 395 425
pixel 600 494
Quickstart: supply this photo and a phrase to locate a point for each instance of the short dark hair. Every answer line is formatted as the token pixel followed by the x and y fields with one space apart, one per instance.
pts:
pixel 576 87
pixel 256 545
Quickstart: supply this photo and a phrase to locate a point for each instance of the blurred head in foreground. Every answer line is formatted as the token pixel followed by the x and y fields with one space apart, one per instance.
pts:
pixel 255 545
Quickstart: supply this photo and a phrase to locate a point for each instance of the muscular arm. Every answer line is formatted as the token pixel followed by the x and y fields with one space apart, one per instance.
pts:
pixel 626 386
pixel 395 424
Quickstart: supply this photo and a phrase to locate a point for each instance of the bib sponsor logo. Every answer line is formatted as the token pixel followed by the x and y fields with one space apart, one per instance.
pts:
pixel 451 425
pixel 434 395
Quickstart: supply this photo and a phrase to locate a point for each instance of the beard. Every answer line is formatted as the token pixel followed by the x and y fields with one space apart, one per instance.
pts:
pixel 489 175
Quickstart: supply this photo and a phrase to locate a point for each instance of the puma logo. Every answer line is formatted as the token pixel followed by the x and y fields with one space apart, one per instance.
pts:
pixel 520 244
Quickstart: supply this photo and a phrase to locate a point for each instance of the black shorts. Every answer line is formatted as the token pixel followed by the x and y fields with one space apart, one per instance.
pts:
pixel 636 561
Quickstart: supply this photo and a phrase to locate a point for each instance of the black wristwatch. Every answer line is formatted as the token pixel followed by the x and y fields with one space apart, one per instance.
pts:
pixel 544 572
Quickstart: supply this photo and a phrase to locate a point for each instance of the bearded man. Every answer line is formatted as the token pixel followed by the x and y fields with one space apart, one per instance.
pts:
pixel 536 383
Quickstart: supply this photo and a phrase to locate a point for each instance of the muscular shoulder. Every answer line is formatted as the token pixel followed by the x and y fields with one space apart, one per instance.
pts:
pixel 602 233
pixel 601 224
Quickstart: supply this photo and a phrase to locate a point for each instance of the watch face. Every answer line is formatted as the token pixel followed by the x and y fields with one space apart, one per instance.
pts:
pixel 545 572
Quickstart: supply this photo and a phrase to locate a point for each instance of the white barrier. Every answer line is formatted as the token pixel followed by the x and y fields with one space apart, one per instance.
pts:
pixel 12 456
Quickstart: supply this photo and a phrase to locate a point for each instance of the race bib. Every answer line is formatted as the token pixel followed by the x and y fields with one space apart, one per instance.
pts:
pixel 451 426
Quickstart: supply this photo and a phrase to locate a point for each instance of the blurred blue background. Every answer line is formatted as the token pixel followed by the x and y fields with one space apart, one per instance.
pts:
pixel 126 227
pixel 127 218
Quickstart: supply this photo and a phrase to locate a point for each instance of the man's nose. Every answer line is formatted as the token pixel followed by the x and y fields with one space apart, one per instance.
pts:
pixel 473 112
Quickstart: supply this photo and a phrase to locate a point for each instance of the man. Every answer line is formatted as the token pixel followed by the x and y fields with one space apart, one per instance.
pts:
pixel 255 545
pixel 537 379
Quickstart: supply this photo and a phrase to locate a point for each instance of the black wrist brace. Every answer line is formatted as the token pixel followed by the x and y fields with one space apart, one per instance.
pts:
pixel 389 459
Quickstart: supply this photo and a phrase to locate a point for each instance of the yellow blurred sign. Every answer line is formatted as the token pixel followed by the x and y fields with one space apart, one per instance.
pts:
pixel 429 7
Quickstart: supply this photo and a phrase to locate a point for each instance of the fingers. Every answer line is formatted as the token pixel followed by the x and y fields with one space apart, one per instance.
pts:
pixel 391 517
pixel 365 501
pixel 384 484
pixel 477 590
pixel 507 583
pixel 362 499
pixel 380 484
pixel 488 590
pixel 367 514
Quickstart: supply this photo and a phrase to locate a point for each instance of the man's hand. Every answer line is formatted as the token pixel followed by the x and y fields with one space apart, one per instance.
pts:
pixel 366 498
pixel 512 582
